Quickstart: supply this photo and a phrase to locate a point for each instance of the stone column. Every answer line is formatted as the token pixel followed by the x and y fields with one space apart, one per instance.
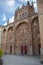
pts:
pixel 40 14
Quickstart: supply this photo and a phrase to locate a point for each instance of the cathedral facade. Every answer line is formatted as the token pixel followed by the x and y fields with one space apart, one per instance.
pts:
pixel 23 35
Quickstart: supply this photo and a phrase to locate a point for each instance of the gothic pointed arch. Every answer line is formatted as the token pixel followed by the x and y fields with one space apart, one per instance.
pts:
pixel 10 28
pixel 10 40
pixel 24 22
pixel 4 30
pixel 10 32
pixel 21 36
pixel 4 34
pixel 35 35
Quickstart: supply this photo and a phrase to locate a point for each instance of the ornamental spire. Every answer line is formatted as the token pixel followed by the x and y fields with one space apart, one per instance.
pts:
pixel 28 3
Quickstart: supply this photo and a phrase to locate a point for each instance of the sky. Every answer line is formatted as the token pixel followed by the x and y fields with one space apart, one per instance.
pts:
pixel 8 7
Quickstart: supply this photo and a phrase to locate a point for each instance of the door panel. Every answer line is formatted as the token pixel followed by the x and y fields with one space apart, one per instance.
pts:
pixel 10 49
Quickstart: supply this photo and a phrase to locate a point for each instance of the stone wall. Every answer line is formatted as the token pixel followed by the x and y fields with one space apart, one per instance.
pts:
pixel 40 14
pixel 1 30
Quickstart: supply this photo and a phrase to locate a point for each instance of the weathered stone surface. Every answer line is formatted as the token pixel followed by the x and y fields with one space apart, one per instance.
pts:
pixel 22 36
pixel 40 12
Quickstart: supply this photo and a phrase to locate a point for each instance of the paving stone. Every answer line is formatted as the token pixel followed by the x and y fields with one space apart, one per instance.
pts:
pixel 20 60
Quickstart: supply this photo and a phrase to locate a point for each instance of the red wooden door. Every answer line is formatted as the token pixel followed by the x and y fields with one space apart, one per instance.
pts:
pixel 10 49
pixel 21 49
pixel 25 49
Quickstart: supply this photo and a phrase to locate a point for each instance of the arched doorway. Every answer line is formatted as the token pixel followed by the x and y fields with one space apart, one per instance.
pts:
pixel 36 36
pixel 21 38
pixel 10 49
pixel 24 49
pixel 4 40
